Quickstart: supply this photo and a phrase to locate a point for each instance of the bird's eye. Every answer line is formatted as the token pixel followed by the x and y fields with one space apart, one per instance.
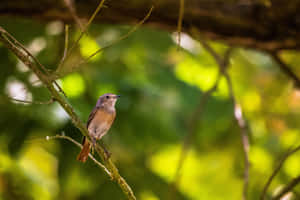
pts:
pixel 107 97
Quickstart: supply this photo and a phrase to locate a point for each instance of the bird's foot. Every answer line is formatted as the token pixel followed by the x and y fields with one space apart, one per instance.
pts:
pixel 107 153
pixel 93 145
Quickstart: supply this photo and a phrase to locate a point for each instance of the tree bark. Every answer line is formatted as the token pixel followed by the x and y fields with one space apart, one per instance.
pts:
pixel 262 24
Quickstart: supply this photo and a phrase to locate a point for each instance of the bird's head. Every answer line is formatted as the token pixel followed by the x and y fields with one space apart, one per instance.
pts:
pixel 107 100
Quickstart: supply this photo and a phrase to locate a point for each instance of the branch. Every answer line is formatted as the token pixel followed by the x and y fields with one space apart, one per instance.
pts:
pixel 179 22
pixel 287 188
pixel 80 146
pixel 9 42
pixel 33 102
pixel 238 113
pixel 65 49
pixel 277 169
pixel 285 69
pixel 122 37
pixel 29 57
pixel 131 31
pixel 84 30
pixel 71 7
pixel 195 117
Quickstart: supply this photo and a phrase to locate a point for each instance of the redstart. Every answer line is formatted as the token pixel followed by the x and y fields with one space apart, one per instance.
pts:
pixel 99 122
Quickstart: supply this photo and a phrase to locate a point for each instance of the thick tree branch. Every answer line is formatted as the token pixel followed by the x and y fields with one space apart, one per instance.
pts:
pixel 12 44
pixel 253 24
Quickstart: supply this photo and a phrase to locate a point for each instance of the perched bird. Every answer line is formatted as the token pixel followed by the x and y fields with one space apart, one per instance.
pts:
pixel 99 122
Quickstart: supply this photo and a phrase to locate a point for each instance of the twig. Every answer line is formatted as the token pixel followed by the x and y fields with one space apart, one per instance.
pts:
pixel 192 125
pixel 9 42
pixel 65 48
pixel 80 146
pixel 179 23
pixel 287 188
pixel 71 7
pixel 33 102
pixel 238 114
pixel 83 31
pixel 122 37
pixel 19 45
pixel 131 31
pixel 277 169
pixel 223 64
pixel 285 69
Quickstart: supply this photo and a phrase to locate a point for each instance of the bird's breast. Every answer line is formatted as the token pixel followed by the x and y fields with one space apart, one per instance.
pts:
pixel 101 122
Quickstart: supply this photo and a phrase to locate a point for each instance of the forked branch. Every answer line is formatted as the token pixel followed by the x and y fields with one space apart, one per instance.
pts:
pixel 12 44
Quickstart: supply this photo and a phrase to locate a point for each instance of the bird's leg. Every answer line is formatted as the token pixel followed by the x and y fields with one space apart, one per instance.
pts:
pixel 107 153
pixel 93 144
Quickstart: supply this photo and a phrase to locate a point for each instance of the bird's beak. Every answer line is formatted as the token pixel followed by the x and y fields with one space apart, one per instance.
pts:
pixel 118 96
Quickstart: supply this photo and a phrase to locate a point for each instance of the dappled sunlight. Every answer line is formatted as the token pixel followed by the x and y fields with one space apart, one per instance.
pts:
pixel 260 159
pixel 162 87
pixel 251 101
pixel 54 28
pixel 17 90
pixel 73 189
pixel 73 85
pixel 200 174
pixel 148 195
pixel 290 137
pixel 292 166
pixel 88 46
pixel 41 168
pixel 258 128
pixel 195 73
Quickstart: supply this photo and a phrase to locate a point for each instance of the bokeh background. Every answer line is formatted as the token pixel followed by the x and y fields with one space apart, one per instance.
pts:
pixel 161 87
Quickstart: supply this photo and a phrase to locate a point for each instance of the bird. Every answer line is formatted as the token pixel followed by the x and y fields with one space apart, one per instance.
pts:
pixel 99 122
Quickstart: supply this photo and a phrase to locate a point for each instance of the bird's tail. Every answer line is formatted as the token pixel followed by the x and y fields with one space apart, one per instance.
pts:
pixel 84 153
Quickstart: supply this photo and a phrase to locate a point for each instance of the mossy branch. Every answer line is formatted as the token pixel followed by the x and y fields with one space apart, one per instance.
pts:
pixel 14 46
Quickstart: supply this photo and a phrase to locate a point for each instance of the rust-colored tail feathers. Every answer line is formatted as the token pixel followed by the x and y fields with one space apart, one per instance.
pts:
pixel 84 153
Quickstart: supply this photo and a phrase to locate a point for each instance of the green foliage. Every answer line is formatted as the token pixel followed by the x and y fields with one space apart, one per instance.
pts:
pixel 160 88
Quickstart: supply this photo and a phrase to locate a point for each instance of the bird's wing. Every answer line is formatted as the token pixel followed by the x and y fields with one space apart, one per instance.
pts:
pixel 91 116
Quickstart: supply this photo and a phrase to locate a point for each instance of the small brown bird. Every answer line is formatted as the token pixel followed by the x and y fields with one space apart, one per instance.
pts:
pixel 99 122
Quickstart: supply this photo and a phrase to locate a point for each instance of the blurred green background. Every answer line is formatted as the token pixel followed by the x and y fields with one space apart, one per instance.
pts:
pixel 161 87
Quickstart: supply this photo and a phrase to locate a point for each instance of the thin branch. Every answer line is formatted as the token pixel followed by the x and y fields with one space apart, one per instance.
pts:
pixel 179 23
pixel 192 125
pixel 287 188
pixel 223 64
pixel 9 42
pixel 30 56
pixel 122 37
pixel 277 169
pixel 65 48
pixel 84 30
pixel 71 7
pixel 286 69
pixel 33 102
pixel 80 146
pixel 238 114
pixel 131 31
